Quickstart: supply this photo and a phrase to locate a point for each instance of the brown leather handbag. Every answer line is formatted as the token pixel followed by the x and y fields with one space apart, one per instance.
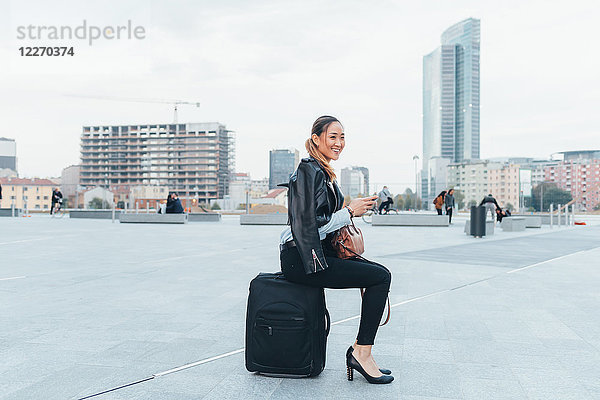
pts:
pixel 348 242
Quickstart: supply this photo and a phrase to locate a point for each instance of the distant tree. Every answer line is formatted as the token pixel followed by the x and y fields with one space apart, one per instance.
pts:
pixel 399 202
pixel 409 199
pixel 419 205
pixel 509 206
pixel 215 206
pixel 459 197
pixel 552 194
pixel 96 203
pixel 472 203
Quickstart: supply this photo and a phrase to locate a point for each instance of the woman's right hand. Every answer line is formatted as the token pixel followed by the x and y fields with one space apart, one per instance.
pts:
pixel 362 205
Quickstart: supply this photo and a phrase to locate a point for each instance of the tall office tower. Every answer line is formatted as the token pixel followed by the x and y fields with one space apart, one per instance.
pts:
pixel 352 182
pixel 451 99
pixel 8 154
pixel 193 159
pixel 282 164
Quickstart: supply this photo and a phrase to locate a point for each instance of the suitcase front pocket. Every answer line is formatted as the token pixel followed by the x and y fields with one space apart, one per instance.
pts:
pixel 282 344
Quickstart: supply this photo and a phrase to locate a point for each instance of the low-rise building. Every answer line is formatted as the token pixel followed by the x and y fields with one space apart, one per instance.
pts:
pixel 30 194
pixel 471 178
pixel 106 196
pixel 506 186
pixel 69 183
pixel 145 195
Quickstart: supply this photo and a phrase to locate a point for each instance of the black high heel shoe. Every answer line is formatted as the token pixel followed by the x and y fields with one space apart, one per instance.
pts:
pixel 352 364
pixel 382 370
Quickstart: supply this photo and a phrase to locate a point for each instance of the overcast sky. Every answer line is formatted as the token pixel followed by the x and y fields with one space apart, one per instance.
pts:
pixel 267 69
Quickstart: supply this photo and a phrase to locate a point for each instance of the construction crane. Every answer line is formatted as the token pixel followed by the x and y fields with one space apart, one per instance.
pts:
pixel 175 103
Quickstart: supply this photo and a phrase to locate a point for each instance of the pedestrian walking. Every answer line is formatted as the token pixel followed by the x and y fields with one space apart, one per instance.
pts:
pixel 449 203
pixel 439 202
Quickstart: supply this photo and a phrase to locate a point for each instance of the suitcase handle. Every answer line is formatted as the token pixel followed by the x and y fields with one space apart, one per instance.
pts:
pixel 327 322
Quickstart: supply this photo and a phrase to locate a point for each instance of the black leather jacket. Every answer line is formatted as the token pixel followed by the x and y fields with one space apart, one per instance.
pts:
pixel 312 200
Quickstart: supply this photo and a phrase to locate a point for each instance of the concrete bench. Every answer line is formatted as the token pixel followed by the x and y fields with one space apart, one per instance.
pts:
pixel 204 217
pixel 8 212
pixel 513 224
pixel 533 221
pixel 489 227
pixel 410 220
pixel 263 219
pixel 93 214
pixel 154 218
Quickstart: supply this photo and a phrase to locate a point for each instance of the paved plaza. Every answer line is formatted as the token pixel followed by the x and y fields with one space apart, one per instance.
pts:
pixel 87 306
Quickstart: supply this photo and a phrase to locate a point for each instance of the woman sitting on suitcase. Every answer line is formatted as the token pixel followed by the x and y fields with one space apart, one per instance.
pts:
pixel 316 212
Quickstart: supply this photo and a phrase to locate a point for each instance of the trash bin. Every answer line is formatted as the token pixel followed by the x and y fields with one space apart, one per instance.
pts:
pixel 478 221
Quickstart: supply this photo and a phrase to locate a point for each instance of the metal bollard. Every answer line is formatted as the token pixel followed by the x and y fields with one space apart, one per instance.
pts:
pixel 572 220
pixel 137 210
pixel 551 216
pixel 113 214
pixel 559 215
pixel 13 209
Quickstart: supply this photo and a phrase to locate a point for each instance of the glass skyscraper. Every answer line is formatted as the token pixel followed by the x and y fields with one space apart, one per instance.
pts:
pixel 451 99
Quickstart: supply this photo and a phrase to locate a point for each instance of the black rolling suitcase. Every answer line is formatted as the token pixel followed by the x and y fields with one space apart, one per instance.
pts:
pixel 286 327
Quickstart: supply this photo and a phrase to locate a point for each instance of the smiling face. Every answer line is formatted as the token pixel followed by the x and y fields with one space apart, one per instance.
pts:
pixel 332 142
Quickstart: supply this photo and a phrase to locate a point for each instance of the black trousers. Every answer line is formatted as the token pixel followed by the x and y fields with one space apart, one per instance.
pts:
pixel 344 274
pixel 449 214
pixel 384 205
pixel 439 211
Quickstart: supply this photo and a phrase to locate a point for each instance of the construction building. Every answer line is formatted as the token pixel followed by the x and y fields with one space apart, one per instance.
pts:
pixel 193 159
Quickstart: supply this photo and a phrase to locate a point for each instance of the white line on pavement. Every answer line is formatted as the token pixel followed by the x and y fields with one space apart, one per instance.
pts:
pixel 186 366
pixel 547 261
pixel 27 240
pixel 14 277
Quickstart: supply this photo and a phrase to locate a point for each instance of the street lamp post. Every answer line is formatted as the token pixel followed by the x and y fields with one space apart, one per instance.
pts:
pixel 416 159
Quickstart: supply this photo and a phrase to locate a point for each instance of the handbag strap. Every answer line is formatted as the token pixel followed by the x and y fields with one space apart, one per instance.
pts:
pixel 389 307
pixel 362 291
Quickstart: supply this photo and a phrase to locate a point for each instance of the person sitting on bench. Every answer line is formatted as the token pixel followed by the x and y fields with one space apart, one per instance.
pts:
pixel 174 204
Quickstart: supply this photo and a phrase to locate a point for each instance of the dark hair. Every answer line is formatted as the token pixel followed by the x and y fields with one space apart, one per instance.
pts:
pixel 450 190
pixel 319 126
pixel 443 193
